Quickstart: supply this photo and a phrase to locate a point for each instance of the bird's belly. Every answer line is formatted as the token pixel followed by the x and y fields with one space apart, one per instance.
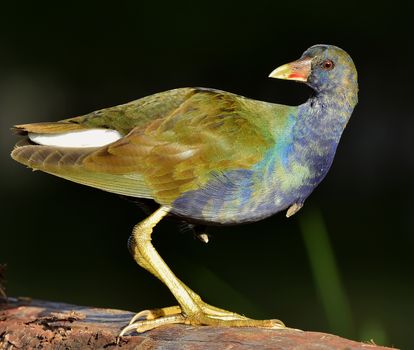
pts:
pixel 239 196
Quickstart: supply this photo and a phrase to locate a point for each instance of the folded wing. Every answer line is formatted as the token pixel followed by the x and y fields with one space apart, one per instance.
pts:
pixel 170 143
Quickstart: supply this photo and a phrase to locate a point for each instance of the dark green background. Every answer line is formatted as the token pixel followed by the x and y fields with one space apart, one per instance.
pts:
pixel 66 242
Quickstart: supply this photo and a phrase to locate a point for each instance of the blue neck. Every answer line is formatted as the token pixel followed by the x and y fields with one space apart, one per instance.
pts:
pixel 321 121
pixel 316 134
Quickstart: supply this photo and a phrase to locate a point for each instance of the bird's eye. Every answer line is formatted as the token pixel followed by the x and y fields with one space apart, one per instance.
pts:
pixel 327 65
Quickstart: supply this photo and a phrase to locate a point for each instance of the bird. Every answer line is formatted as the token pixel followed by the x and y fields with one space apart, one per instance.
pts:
pixel 207 157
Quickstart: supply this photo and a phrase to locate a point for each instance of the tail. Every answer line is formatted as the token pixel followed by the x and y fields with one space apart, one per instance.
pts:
pixel 68 162
pixel 48 158
pixel 47 128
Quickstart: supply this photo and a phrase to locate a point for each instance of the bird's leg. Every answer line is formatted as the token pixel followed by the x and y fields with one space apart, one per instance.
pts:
pixel 191 310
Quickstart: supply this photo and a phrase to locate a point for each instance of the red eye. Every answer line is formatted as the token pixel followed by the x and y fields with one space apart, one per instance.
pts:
pixel 327 65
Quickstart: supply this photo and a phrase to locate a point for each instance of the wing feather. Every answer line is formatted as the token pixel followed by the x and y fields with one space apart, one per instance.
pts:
pixel 210 132
pixel 67 164
pixel 173 142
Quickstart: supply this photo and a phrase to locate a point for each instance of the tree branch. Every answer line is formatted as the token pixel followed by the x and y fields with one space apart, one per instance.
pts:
pixel 28 324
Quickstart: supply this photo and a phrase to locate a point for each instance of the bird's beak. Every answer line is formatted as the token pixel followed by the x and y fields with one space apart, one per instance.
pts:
pixel 297 70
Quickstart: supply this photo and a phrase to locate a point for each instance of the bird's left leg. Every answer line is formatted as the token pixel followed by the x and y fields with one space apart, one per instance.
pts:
pixel 192 309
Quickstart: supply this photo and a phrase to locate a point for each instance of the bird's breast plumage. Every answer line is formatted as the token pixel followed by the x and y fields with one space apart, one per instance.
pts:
pixel 246 195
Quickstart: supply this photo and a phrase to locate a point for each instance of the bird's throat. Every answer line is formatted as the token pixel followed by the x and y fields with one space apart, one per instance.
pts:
pixel 327 113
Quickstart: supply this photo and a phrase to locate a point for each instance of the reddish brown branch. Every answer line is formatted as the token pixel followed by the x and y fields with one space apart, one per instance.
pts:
pixel 28 324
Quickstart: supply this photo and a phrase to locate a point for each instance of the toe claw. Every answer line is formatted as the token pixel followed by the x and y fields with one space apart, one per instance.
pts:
pixel 156 313
pixel 146 325
pixel 277 324
pixel 125 330
pixel 145 314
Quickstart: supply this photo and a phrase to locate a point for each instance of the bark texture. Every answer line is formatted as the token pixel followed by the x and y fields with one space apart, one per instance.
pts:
pixel 35 324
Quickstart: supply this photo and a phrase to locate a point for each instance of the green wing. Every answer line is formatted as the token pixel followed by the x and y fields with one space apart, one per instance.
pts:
pixel 174 142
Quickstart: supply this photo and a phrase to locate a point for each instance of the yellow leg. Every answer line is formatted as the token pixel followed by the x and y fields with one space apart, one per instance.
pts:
pixel 191 310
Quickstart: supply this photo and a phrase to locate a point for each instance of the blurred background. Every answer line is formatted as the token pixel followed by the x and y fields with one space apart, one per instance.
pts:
pixel 343 264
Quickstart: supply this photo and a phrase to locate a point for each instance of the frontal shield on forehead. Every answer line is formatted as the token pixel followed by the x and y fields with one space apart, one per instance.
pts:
pixel 316 50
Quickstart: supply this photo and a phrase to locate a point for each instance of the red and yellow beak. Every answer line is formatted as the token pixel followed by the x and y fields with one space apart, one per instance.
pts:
pixel 297 70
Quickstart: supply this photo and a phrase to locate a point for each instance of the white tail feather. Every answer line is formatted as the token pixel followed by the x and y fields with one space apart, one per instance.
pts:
pixel 80 138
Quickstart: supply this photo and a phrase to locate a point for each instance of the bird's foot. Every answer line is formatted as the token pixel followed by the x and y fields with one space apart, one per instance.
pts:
pixel 207 316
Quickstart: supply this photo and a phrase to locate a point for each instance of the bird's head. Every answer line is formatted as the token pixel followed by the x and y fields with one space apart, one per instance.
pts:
pixel 325 68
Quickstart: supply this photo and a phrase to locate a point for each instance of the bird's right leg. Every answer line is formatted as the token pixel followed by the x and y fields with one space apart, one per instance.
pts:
pixel 191 310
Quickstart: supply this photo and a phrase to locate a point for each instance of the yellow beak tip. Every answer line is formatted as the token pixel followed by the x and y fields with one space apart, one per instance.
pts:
pixel 280 72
